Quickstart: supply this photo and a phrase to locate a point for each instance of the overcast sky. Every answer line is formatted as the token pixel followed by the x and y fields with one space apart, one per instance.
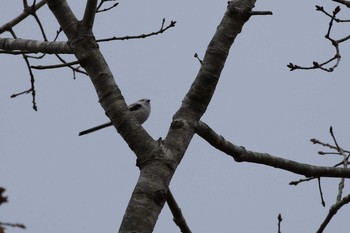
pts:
pixel 59 182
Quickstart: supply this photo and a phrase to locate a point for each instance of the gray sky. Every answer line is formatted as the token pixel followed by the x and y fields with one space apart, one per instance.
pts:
pixel 59 182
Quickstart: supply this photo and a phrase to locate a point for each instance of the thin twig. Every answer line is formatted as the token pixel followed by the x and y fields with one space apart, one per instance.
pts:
pixel 55 66
pixel 279 218
pixel 320 190
pixel 32 80
pixel 99 10
pixel 335 44
pixel 161 30
pixel 261 13
pixel 18 225
pixel 196 56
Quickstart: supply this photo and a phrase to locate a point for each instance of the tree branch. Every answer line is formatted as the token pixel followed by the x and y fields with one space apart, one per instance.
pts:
pixel 332 211
pixel 335 43
pixel 98 8
pixel 32 79
pixel 18 225
pixel 177 213
pixel 64 16
pixel 240 154
pixel 35 46
pixel 26 12
pixel 158 168
pixel 346 3
pixel 89 14
pixel 198 97
pixel 55 66
pixel 161 30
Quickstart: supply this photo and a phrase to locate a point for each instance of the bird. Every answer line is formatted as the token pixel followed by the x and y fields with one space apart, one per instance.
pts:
pixel 141 110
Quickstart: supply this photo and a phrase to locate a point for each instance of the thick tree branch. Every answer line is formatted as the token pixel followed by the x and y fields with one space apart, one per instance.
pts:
pixel 157 160
pixel 89 14
pixel 64 16
pixel 240 154
pixel 161 168
pixel 198 97
pixel 34 46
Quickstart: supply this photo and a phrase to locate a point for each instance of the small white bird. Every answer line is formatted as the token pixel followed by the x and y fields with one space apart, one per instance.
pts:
pixel 141 110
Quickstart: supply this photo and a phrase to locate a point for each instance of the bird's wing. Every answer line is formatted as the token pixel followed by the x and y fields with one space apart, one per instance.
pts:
pixel 134 107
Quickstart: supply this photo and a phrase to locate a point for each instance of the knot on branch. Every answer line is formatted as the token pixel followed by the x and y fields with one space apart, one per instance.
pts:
pixel 160 154
pixel 83 40
pixel 241 7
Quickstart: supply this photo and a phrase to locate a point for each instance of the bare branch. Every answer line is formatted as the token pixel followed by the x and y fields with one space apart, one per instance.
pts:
pixel 316 141
pixel 261 13
pixel 27 11
pixel 7 224
pixel 40 25
pixel 89 14
pixel 21 93
pixel 279 218
pixel 181 131
pixel 332 211
pixel 345 163
pixel 335 44
pixel 346 3
pixel 240 154
pixel 74 69
pixel 34 46
pixel 65 17
pixel 25 4
pixel 32 80
pixel 99 10
pixel 161 30
pixel 177 213
pixel 196 56
pixel 3 199
pixel 301 181
pixel 55 66
pixel 320 190
pixel 321 9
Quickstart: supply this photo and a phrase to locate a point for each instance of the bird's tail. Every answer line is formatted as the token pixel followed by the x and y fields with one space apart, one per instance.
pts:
pixel 93 129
